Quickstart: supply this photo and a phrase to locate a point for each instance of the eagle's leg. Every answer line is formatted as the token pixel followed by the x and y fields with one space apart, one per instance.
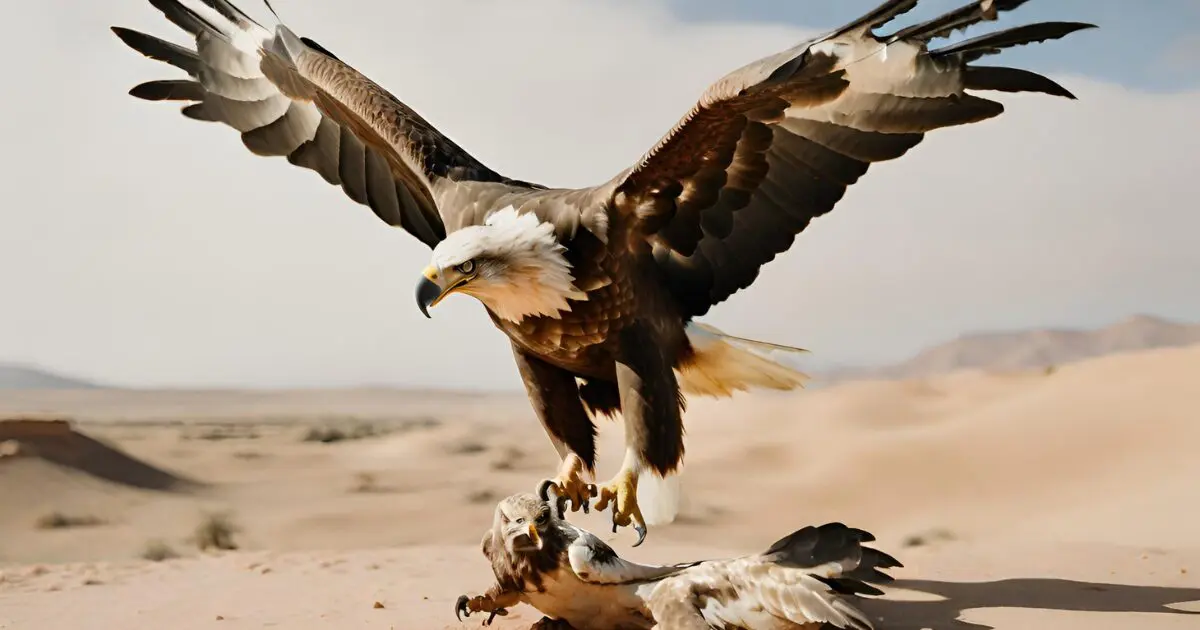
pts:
pixel 496 602
pixel 652 409
pixel 554 395
pixel 621 491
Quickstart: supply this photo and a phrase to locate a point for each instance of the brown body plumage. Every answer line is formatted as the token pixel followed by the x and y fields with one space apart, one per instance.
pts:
pixel 766 149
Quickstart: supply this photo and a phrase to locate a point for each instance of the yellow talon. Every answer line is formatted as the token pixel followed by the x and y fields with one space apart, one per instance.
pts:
pixel 621 491
pixel 569 485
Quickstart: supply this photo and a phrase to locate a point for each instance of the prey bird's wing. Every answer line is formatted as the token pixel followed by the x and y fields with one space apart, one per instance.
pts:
pixel 802 579
pixel 595 562
pixel 748 593
pixel 290 97
pixel 776 143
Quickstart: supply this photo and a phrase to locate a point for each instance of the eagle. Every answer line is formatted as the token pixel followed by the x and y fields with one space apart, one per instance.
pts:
pixel 599 289
pixel 804 580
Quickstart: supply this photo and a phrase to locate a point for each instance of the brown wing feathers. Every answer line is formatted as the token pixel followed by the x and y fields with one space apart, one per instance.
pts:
pixel 775 144
pixel 295 99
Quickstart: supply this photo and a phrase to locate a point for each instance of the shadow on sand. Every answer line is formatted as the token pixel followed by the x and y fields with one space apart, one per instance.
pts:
pixel 1028 593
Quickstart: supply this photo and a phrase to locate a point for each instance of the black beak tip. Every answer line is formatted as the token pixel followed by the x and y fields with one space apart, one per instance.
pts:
pixel 427 292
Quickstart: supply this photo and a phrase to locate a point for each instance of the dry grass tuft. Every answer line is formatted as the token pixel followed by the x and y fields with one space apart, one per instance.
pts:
pixel 216 531
pixel 59 520
pixel 158 551
pixel 508 458
pixel 928 537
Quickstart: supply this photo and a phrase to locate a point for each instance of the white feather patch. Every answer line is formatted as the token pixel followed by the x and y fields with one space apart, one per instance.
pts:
pixel 659 497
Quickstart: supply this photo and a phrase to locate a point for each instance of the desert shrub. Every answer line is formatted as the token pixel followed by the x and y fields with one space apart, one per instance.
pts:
pixel 215 531
pixel 331 434
pixel 157 551
pixel 59 520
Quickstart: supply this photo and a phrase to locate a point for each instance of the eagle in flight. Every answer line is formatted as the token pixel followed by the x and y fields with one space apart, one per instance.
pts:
pixel 809 579
pixel 598 288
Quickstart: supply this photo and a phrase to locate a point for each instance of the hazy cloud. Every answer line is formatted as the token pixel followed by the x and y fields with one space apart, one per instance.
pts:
pixel 140 247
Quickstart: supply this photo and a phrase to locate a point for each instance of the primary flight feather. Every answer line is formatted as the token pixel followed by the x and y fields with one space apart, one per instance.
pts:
pixel 597 288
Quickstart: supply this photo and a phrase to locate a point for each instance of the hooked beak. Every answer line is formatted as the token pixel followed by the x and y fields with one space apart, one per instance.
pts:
pixel 534 538
pixel 430 290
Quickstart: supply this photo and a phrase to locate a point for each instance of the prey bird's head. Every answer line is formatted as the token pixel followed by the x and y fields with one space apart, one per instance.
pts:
pixel 512 263
pixel 522 522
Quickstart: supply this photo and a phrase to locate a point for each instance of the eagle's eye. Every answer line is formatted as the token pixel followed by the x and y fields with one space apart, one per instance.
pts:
pixel 542 517
pixel 466 267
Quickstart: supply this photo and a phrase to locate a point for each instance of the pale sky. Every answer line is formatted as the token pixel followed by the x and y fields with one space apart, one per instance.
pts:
pixel 141 248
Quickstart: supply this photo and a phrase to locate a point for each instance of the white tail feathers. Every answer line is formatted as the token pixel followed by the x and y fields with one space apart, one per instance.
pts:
pixel 724 364
pixel 659 497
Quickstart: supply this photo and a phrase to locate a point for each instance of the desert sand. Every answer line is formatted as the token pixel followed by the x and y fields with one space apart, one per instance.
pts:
pixel 1039 499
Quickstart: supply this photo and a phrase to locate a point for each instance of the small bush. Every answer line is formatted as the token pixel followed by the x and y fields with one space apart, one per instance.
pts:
pixel 508 458
pixel 365 482
pixel 216 531
pixel 157 551
pixel 329 435
pixel 58 520
pixel 928 537
pixel 467 447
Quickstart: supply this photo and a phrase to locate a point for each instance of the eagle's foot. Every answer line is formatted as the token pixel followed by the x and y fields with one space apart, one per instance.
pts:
pixel 621 490
pixel 546 623
pixel 569 485
pixel 480 603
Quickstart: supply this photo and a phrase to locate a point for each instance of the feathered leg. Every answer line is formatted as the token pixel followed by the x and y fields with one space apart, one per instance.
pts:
pixel 554 395
pixel 652 409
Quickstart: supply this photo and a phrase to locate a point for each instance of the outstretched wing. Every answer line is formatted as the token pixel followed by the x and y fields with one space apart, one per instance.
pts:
pixel 595 562
pixel 804 579
pixel 775 144
pixel 290 97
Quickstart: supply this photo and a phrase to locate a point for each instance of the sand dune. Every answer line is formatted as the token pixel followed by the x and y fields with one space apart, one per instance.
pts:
pixel 1017 500
pixel 1027 349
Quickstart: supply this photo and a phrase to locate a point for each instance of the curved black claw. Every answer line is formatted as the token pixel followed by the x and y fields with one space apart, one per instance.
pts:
pixel 641 532
pixel 549 493
pixel 499 611
pixel 544 489
pixel 460 607
pixel 593 492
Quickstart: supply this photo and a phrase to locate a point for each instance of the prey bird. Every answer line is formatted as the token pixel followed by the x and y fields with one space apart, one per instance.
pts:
pixel 577 581
pixel 599 288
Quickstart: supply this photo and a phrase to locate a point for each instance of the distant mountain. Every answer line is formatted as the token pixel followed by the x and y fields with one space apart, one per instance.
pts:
pixel 13 376
pixel 1016 350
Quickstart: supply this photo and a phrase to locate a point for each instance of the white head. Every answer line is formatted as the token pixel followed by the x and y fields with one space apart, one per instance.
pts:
pixel 512 263
pixel 523 522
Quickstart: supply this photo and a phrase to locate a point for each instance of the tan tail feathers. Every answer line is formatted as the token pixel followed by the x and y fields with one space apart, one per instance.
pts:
pixel 723 364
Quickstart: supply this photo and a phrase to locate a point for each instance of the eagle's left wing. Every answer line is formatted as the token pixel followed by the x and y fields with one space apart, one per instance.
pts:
pixel 595 562
pixel 775 144
pixel 289 97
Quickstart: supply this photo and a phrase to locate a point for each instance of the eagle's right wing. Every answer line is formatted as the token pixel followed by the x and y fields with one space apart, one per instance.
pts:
pixel 777 143
pixel 290 97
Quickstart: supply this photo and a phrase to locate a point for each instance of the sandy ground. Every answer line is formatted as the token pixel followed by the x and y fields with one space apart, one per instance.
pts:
pixel 1020 500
